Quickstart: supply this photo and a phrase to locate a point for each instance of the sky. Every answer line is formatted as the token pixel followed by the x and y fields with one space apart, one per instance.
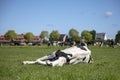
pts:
pixel 37 15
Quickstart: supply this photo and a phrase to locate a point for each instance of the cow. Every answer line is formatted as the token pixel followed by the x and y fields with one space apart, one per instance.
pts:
pixel 72 55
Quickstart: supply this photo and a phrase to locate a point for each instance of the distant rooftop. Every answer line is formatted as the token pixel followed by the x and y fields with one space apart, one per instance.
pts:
pixel 100 36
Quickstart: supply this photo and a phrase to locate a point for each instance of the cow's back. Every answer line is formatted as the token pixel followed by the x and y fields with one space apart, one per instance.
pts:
pixel 75 51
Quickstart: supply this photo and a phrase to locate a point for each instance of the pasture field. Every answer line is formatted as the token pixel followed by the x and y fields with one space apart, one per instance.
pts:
pixel 106 65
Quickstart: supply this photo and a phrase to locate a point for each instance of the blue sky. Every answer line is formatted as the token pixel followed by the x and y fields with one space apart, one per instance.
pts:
pixel 62 15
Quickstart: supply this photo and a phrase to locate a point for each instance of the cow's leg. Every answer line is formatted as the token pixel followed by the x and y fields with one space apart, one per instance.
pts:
pixel 72 61
pixel 38 61
pixel 34 62
pixel 86 60
pixel 28 62
pixel 47 57
pixel 41 60
pixel 77 61
pixel 59 62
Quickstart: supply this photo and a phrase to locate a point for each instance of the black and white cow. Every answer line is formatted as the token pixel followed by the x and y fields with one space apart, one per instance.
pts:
pixel 72 55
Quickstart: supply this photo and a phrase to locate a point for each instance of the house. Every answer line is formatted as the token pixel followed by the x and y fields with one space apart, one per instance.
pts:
pixel 37 39
pixel 3 40
pixel 20 38
pixel 100 36
pixel 63 37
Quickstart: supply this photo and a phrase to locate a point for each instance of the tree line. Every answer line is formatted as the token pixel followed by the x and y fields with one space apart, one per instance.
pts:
pixel 73 34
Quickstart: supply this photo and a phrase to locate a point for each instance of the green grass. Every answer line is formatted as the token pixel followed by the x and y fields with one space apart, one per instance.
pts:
pixel 106 65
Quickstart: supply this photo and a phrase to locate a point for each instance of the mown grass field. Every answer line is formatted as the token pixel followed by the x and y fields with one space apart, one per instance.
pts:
pixel 106 65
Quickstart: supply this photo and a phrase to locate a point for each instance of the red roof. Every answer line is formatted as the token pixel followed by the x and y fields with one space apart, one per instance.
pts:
pixel 2 36
pixel 20 35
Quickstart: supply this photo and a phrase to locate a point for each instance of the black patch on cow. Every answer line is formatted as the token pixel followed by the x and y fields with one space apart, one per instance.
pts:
pixel 82 44
pixel 53 59
pixel 81 47
pixel 84 58
pixel 61 54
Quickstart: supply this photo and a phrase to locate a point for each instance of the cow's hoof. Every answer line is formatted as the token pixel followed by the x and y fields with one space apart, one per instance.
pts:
pixel 23 63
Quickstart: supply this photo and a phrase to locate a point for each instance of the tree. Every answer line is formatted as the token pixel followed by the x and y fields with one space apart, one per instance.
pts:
pixel 87 35
pixel 29 37
pixel 44 34
pixel 93 32
pixel 11 35
pixel 110 42
pixel 117 37
pixel 74 35
pixel 54 35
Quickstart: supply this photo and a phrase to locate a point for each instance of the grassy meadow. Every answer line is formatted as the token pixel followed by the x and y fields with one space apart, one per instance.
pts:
pixel 106 65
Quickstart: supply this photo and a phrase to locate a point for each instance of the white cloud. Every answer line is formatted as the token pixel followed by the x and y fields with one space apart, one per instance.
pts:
pixel 108 14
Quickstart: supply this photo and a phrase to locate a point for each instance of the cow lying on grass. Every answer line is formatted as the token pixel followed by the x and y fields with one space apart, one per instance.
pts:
pixel 72 55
